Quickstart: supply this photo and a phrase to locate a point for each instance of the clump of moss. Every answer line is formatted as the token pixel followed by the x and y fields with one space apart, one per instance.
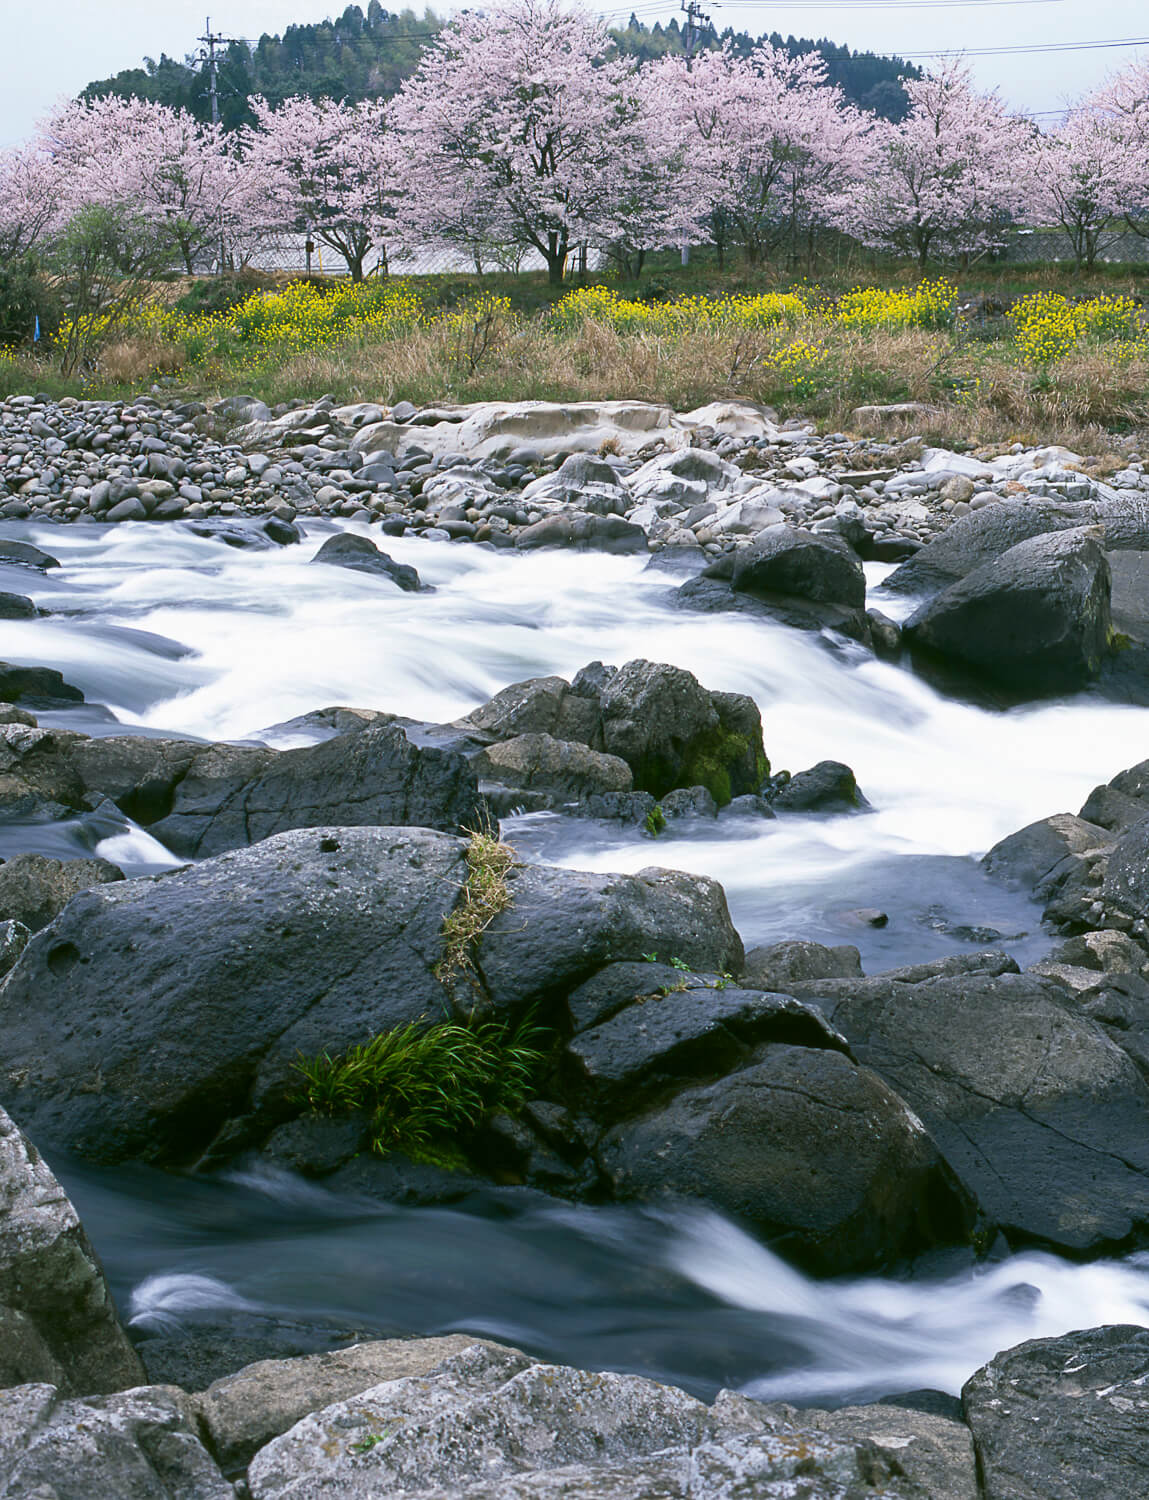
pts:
pixel 655 821
pixel 422 1084
pixel 714 759
pixel 484 895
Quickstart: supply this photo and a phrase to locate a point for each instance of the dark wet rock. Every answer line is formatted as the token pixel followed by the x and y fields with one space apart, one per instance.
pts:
pixel 541 705
pixel 139 1445
pixel 34 890
pixel 539 761
pixel 1126 887
pixel 707 595
pixel 689 802
pixel 1042 1117
pixel 1036 619
pixel 583 532
pixel 36 685
pixel 673 733
pixel 348 550
pixel 1029 856
pixel 684 1034
pixel 618 985
pixel 17 607
pixel 56 1312
pixel 779 965
pixel 789 561
pixel 13 940
pixel 231 796
pixel 24 554
pixel 190 998
pixel 315 1145
pixel 139 774
pixel 818 1154
pixel 976 539
pixel 37 779
pixel 1064 1418
pixel 829 786
pixel 1108 808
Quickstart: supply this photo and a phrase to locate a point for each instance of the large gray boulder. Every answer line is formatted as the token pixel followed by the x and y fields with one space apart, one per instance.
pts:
pixel 1036 619
pixel 57 1319
pixel 1042 1117
pixel 138 1445
pixel 1031 855
pixel 491 1423
pixel 187 999
pixel 1064 1418
pixel 819 1155
pixel 232 796
pixel 361 555
pixel 563 767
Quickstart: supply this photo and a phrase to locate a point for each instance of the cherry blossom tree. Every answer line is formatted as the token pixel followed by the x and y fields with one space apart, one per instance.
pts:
pixel 519 128
pixel 157 162
pixel 1083 180
pixel 1124 102
pixel 323 168
pixel 29 199
pixel 947 180
pixel 766 142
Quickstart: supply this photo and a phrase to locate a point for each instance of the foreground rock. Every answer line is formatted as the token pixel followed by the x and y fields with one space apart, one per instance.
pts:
pixel 543 1430
pixel 190 997
pixel 1063 1419
pixel 57 1321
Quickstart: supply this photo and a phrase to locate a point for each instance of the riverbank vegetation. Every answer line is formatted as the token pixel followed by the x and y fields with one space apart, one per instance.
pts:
pixel 996 358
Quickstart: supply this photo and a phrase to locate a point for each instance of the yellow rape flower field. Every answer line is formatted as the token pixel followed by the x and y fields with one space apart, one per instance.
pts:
pixel 1049 365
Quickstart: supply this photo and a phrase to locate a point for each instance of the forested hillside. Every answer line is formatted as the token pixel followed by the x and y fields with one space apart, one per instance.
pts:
pixel 367 55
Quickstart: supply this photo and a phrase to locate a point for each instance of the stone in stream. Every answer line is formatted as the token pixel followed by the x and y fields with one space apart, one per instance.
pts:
pixel 34 890
pixel 35 685
pixel 563 767
pixel 779 965
pixel 17 607
pixel 786 560
pixel 818 1154
pixel 57 1319
pixel 829 786
pixel 191 997
pixel 1041 1116
pixel 231 796
pixel 583 532
pixel 347 550
pixel 977 539
pixel 1036 619
pixel 1064 1418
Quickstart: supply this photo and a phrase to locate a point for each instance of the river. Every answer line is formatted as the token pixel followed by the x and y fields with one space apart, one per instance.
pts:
pixel 181 634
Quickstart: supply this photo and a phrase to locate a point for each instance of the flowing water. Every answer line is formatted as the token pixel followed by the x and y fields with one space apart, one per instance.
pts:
pixel 181 634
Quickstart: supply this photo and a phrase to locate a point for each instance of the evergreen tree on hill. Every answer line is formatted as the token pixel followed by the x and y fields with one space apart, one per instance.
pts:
pixel 362 56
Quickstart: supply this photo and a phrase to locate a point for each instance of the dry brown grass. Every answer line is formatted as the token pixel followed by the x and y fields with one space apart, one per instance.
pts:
pixel 137 358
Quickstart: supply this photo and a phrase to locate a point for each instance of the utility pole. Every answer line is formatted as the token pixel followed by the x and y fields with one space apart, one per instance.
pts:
pixel 691 33
pixel 210 41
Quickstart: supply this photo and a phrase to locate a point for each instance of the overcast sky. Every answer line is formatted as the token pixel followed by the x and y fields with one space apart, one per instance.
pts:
pixel 54 47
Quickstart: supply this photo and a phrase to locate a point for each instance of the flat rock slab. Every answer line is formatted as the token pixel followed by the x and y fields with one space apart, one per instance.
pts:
pixel 1065 1418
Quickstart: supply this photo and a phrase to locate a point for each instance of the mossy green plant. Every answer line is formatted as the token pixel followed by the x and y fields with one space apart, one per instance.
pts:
pixel 423 1084
pixel 655 821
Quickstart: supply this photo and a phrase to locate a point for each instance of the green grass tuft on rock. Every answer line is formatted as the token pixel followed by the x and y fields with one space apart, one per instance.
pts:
pixel 422 1085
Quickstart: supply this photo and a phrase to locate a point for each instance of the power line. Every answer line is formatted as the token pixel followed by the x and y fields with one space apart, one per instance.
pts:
pixel 1030 48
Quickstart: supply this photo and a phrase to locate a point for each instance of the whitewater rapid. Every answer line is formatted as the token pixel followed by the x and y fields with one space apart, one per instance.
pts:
pixel 181 634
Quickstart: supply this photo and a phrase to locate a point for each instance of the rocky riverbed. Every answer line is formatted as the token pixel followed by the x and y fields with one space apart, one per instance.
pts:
pixel 693 674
